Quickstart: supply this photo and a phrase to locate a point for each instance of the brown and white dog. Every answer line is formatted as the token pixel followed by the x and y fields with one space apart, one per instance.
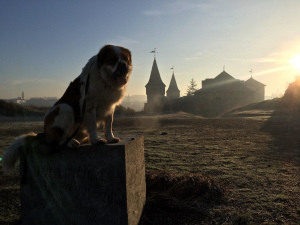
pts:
pixel 89 101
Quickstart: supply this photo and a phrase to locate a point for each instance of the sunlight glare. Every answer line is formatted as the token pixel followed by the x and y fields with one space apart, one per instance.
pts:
pixel 296 61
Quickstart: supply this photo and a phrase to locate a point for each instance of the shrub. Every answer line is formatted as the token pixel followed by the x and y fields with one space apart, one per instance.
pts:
pixel 14 109
pixel 122 111
pixel 291 96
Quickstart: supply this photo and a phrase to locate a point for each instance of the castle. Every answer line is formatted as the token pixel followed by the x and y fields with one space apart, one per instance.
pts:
pixel 217 95
pixel 155 91
pixel 224 93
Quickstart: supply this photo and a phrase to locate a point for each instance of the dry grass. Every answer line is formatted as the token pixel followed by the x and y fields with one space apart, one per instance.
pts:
pixel 9 199
pixel 184 187
pixel 253 163
pixel 189 195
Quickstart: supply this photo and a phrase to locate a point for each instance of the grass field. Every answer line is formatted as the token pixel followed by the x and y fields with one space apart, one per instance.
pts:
pixel 254 160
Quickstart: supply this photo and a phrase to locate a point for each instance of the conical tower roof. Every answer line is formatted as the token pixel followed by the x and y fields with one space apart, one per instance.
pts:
pixel 155 79
pixel 173 85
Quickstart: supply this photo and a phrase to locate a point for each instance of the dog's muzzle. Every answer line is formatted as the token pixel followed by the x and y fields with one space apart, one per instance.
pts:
pixel 122 69
pixel 121 72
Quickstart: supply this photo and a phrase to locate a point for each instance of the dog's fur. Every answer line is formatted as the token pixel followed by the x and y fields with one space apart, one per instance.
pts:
pixel 108 72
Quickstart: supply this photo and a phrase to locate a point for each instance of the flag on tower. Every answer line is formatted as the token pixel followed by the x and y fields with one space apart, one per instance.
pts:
pixel 153 51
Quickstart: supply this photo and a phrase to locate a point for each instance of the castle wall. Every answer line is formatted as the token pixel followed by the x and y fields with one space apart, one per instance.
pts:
pixel 216 103
pixel 173 94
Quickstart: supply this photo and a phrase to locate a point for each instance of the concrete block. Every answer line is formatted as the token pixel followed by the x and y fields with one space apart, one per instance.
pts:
pixel 89 185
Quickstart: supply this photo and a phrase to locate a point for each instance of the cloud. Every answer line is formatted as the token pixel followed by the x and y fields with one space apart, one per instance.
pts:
pixel 29 81
pixel 16 82
pixel 268 71
pixel 278 57
pixel 234 59
pixel 153 13
pixel 197 56
pixel 122 40
pixel 179 7
pixel 126 40
pixel 189 5
pixel 265 60
pixel 191 58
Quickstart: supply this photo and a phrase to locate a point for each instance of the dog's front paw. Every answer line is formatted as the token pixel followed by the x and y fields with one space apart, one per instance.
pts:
pixel 73 143
pixel 98 141
pixel 113 140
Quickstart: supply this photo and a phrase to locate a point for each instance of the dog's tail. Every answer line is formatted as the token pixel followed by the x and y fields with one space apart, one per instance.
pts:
pixel 12 154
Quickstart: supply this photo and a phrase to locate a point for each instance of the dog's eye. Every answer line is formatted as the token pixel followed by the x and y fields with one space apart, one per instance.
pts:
pixel 112 61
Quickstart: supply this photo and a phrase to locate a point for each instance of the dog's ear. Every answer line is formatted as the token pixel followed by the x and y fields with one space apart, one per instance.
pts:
pixel 128 54
pixel 102 54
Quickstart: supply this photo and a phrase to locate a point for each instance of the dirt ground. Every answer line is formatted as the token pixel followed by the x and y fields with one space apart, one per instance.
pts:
pixel 254 156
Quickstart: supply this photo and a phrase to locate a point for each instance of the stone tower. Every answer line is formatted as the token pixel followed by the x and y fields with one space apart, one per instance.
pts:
pixel 155 90
pixel 173 92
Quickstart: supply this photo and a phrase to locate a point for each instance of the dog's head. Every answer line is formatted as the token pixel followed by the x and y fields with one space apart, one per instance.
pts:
pixel 115 65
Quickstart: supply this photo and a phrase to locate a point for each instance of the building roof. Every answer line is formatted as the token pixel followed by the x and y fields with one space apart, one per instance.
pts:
pixel 252 81
pixel 224 82
pixel 173 84
pixel 155 79
pixel 224 76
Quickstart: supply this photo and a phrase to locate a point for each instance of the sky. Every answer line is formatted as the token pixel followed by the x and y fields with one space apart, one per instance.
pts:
pixel 45 44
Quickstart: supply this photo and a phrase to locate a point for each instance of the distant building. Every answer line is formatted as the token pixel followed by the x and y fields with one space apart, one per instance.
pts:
pixel 173 92
pixel 18 100
pixel 155 91
pixel 39 102
pixel 224 93
pixel 258 88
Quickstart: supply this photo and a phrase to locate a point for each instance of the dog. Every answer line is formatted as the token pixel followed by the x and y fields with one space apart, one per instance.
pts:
pixel 88 102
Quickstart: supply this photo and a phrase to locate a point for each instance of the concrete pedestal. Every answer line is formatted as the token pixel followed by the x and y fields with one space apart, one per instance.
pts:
pixel 89 185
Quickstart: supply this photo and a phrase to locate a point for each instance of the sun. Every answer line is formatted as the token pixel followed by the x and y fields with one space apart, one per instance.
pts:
pixel 296 61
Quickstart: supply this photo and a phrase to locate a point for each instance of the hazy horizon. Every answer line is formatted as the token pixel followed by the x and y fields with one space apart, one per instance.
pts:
pixel 45 45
